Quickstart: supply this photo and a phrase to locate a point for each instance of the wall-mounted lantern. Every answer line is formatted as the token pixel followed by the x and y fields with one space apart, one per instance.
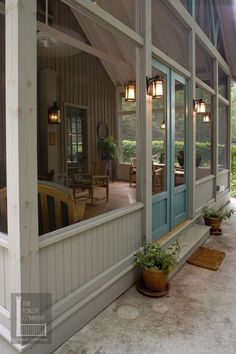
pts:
pixel 163 125
pixel 155 87
pixel 206 118
pixel 130 92
pixel 200 106
pixel 54 114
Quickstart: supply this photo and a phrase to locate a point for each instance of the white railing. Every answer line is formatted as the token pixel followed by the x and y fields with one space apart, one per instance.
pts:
pixel 4 272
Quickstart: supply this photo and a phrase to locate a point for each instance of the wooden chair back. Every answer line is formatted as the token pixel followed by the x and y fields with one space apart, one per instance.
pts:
pixel 98 169
pixel 133 162
pixel 57 209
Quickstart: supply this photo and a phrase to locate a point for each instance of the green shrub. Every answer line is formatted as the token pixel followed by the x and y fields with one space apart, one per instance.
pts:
pixel 204 149
pixel 128 149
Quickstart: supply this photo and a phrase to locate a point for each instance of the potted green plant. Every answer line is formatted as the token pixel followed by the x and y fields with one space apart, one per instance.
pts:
pixel 156 263
pixel 213 217
pixel 110 148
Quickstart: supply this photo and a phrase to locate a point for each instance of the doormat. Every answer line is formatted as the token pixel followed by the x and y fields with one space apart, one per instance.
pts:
pixel 207 258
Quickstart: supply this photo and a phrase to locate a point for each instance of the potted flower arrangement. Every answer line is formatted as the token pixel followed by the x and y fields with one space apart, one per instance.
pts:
pixel 213 217
pixel 156 263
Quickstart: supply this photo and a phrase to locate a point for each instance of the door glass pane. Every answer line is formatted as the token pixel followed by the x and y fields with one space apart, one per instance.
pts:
pixel 159 125
pixel 180 111
pixel 76 140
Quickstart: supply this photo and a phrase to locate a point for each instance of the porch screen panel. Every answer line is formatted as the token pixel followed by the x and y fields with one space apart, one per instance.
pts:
pixel 204 65
pixel 122 10
pixel 204 137
pixel 223 126
pixel 84 161
pixel 168 33
pixel 222 83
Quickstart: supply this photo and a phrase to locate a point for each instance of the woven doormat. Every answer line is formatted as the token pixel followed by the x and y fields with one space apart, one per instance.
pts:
pixel 207 258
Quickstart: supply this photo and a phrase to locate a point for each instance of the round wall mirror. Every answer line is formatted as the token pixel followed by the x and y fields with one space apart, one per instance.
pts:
pixel 102 130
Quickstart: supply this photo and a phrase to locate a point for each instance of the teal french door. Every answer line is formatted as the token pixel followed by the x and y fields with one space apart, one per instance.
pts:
pixel 170 153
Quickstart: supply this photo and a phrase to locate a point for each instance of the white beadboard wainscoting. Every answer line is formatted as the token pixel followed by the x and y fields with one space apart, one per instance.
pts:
pixel 204 192
pixel 223 178
pixel 71 258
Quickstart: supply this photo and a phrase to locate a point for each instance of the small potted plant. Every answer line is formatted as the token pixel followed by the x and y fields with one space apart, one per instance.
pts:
pixel 213 217
pixel 156 263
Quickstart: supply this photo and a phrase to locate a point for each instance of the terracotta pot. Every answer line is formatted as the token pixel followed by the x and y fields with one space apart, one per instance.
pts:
pixel 207 222
pixel 214 223
pixel 155 280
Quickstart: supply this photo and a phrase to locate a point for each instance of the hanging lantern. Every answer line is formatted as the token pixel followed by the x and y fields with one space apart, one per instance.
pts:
pixel 200 106
pixel 130 94
pixel 155 87
pixel 54 114
pixel 206 118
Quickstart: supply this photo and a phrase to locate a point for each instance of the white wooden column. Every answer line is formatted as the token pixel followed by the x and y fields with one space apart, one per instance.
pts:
pixel 146 122
pixel 192 124
pixel 215 117
pixel 229 133
pixel 21 115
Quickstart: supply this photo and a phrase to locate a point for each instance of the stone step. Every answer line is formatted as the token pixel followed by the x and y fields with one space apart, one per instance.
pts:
pixel 189 241
pixel 170 237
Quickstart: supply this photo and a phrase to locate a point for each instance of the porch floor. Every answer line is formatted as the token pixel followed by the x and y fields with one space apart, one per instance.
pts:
pixel 120 195
pixel 197 317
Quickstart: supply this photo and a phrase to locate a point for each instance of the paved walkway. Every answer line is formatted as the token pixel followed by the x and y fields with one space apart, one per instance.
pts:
pixel 197 317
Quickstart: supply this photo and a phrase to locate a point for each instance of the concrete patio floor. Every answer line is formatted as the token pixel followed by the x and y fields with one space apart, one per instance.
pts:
pixel 198 316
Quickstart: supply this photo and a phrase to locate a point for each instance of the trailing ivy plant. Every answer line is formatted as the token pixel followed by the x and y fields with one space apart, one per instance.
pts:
pixel 153 257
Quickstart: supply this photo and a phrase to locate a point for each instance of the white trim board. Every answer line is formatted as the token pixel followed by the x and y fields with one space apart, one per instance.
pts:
pixel 72 230
pixel 3 240
pixel 76 317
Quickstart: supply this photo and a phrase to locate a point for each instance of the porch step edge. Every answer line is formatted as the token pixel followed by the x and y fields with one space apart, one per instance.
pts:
pixel 190 240
pixel 168 239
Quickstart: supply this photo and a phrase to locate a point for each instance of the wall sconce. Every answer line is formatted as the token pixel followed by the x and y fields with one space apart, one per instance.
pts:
pixel 130 94
pixel 200 106
pixel 54 114
pixel 155 87
pixel 206 118
pixel 163 125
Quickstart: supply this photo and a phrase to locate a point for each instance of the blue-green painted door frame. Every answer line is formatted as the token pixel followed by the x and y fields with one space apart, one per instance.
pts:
pixel 179 194
pixel 170 207
pixel 161 211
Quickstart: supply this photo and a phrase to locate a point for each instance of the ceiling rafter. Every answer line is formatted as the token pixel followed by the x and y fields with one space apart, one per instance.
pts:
pixel 69 40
